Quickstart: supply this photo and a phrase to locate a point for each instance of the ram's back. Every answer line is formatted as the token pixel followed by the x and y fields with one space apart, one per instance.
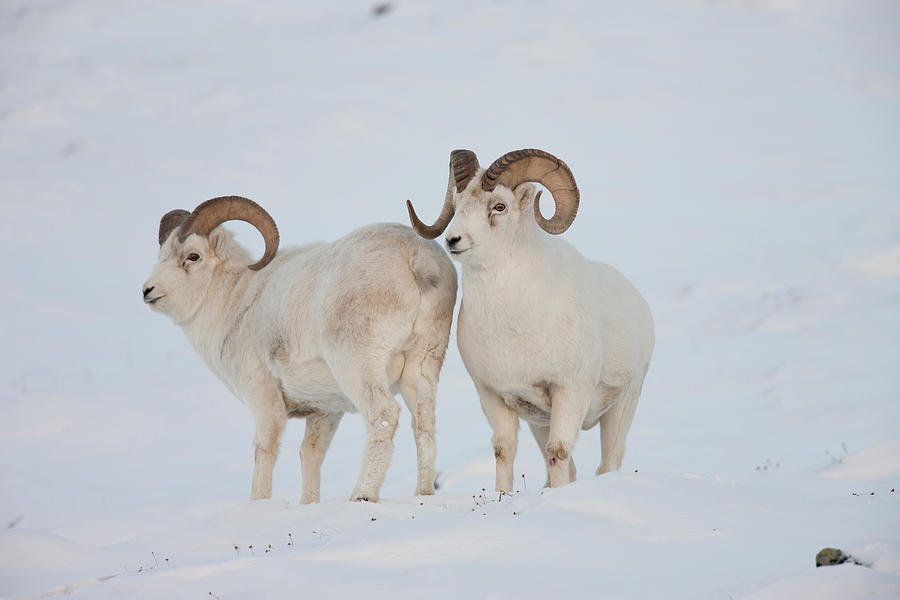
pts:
pixel 368 286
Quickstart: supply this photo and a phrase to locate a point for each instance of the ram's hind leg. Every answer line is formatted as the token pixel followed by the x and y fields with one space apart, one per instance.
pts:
pixel 418 385
pixel 320 428
pixel 368 389
pixel 614 426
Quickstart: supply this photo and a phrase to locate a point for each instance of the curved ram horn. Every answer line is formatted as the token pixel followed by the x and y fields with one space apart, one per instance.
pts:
pixel 212 213
pixel 463 166
pixel 519 166
pixel 171 220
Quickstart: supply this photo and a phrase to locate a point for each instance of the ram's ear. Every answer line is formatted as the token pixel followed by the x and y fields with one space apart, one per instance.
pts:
pixel 525 195
pixel 218 242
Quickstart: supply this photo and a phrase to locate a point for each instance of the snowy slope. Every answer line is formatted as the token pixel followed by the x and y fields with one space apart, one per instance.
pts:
pixel 737 160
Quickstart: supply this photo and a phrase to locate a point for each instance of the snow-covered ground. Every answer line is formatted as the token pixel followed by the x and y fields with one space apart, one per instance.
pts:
pixel 738 160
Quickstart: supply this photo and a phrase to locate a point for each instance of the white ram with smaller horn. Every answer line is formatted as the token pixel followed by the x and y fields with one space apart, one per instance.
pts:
pixel 312 332
pixel 547 335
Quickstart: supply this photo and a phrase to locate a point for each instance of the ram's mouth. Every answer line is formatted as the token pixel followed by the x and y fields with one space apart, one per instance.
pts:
pixel 153 300
pixel 459 251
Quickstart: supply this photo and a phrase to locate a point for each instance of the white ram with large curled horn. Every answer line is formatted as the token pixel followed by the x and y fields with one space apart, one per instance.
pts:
pixel 547 336
pixel 312 332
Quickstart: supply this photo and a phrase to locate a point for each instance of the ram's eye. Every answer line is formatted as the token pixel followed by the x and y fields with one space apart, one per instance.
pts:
pixel 193 257
pixel 499 207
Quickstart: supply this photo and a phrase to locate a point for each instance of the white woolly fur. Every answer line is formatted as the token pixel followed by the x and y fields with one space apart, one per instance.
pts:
pixel 548 336
pixel 322 330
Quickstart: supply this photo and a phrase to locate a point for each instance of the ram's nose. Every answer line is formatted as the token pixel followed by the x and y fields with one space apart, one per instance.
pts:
pixel 453 241
pixel 147 290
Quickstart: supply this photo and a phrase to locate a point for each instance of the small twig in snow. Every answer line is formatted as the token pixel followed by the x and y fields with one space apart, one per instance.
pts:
pixel 15 522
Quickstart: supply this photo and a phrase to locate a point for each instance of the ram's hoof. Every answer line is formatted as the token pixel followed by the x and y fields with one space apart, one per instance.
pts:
pixel 361 499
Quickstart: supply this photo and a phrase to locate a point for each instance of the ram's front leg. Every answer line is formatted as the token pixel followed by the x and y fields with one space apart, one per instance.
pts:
pixel 567 410
pixel 505 424
pixel 320 430
pixel 542 437
pixel 270 415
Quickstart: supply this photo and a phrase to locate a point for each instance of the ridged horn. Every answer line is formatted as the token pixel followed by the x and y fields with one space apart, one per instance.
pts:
pixel 171 220
pixel 463 166
pixel 212 213
pixel 519 166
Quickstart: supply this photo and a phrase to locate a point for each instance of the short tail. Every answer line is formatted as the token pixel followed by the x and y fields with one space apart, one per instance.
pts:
pixel 434 272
